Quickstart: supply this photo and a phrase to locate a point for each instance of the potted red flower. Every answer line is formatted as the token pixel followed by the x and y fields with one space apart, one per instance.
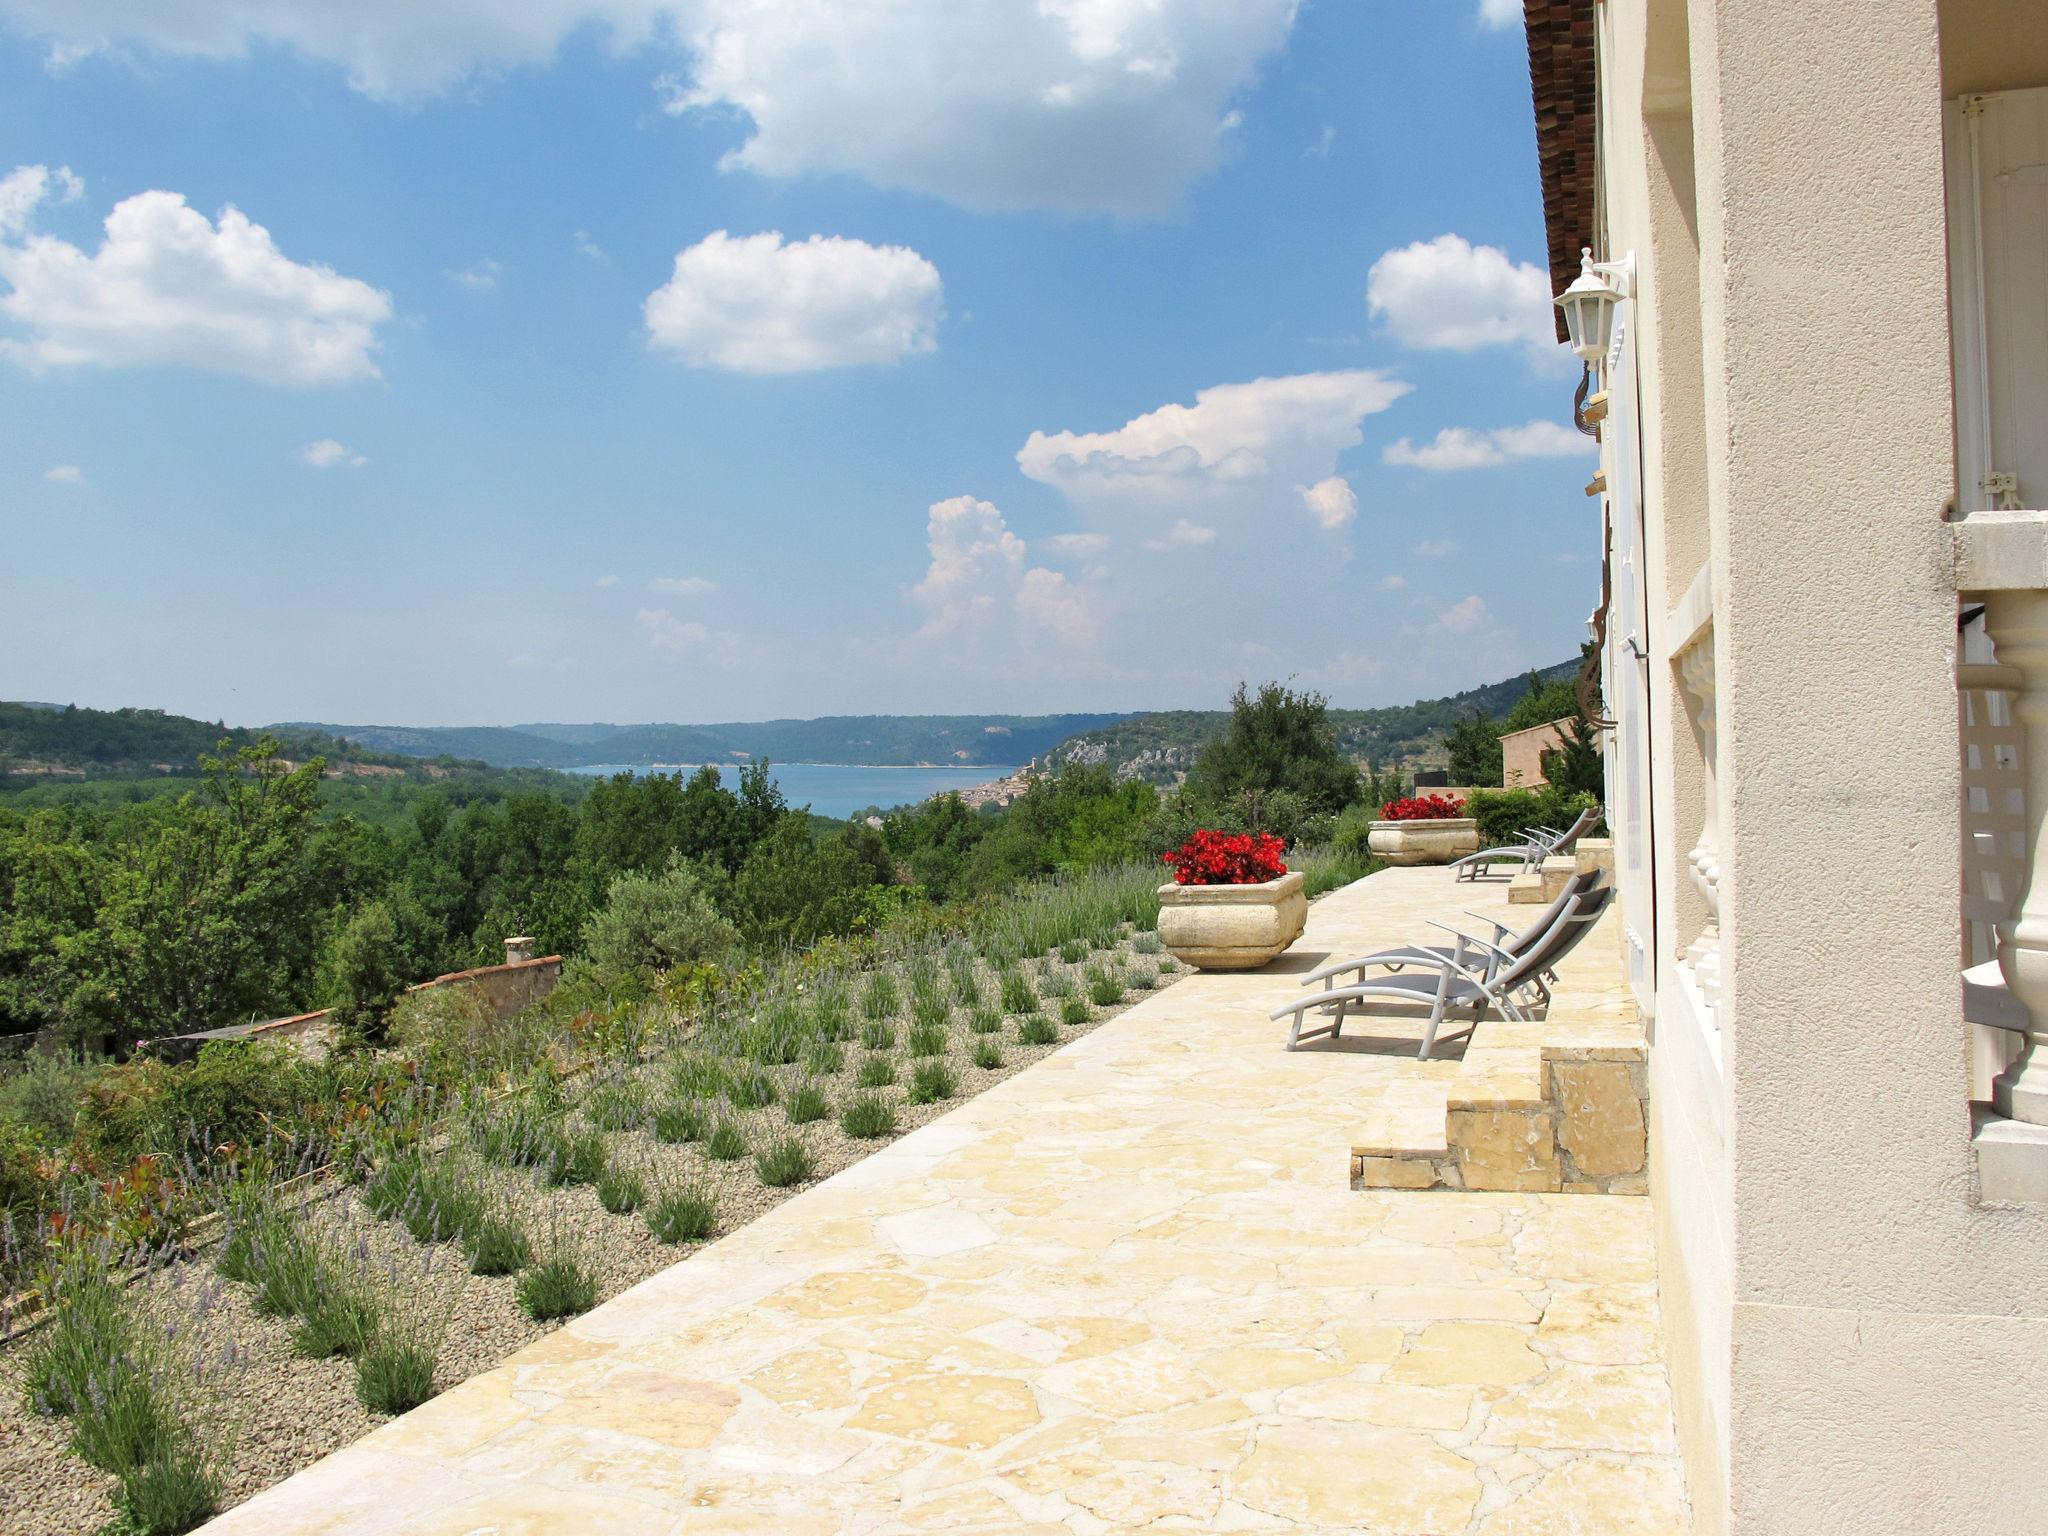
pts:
pixel 1423 829
pixel 1234 905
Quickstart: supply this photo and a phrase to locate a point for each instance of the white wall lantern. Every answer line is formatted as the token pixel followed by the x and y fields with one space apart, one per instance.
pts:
pixel 1590 302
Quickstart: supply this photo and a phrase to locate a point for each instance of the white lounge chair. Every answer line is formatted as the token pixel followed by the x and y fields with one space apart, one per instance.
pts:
pixel 1538 844
pixel 1507 941
pixel 1477 976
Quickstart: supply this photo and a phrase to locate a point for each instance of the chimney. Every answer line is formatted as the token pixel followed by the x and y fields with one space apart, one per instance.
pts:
pixel 518 951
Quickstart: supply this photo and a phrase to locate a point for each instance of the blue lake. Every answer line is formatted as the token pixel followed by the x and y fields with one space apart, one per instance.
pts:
pixel 838 789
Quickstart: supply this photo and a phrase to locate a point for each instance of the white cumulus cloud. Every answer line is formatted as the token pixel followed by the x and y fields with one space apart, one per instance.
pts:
pixel 1437 549
pixel 606 581
pixel 1465 617
pixel 390 49
pixel 1500 14
pixel 480 277
pixel 1076 106
pixel 1079 543
pixel 1467 448
pixel 1331 503
pixel 64 474
pixel 682 586
pixel 27 187
pixel 1449 295
pixel 670 636
pixel 1183 535
pixel 330 454
pixel 752 304
pixel 978 577
pixel 1393 581
pixel 168 286
pixel 1233 436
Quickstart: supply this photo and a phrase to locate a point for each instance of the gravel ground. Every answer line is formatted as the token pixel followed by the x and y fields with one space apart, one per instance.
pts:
pixel 272 1413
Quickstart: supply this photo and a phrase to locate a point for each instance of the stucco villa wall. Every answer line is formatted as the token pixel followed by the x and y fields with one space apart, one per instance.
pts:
pixel 1521 754
pixel 1855 1346
pixel 1647 152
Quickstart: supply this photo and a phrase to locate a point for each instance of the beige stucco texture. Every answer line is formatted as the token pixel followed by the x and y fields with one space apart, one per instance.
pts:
pixel 1129 1288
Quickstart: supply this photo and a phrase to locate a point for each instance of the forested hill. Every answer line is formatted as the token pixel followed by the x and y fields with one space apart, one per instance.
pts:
pixel 44 741
pixel 1161 746
pixel 969 740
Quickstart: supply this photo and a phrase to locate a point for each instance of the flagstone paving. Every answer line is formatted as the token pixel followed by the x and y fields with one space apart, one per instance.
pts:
pixel 1126 1289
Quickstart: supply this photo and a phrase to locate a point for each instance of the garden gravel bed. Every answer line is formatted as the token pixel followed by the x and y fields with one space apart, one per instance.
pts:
pixel 271 1412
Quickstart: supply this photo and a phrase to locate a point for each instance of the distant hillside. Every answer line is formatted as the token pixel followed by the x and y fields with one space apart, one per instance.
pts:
pixel 1161 746
pixel 54 754
pixel 44 741
pixel 871 740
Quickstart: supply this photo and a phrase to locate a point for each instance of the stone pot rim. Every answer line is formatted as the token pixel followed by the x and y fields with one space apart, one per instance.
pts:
pixel 1215 895
pixel 1423 821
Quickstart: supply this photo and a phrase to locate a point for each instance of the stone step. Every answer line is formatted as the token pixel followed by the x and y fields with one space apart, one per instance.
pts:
pixel 1556 1104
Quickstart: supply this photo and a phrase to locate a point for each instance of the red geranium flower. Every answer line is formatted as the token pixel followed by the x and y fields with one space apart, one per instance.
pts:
pixel 1422 808
pixel 1228 858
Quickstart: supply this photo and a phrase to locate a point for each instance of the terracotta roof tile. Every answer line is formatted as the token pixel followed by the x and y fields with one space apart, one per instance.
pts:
pixel 1562 80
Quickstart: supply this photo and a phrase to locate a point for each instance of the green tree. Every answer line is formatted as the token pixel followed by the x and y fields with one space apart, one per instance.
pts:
pixel 1576 766
pixel 1543 703
pixel 1474 744
pixel 204 913
pixel 1277 740
pixel 795 889
pixel 367 971
pixel 655 922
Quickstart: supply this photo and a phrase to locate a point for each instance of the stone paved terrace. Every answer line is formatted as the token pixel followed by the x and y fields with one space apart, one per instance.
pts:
pixel 1127 1289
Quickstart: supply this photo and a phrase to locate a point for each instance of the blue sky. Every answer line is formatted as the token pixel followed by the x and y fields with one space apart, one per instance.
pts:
pixel 716 359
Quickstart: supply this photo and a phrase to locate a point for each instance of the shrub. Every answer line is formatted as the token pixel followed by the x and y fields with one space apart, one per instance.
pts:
pixel 698 1077
pixel 876 1072
pixel 788 1161
pixel 656 922
pixel 931 1082
pixel 1037 1029
pixel 42 1094
pixel 448 1031
pixel 89 1332
pixel 879 998
pixel 1073 1010
pixel 1276 740
pixel 1505 815
pixel 878 1036
pixel 926 1040
pixel 676 1123
pixel 366 967
pixel 1018 995
pixel 617 1106
pixel 1227 858
pixel 727 1143
pixel 498 1246
pixel 244 1091
pixel 985 1021
pixel 867 1117
pixel 930 1012
pixel 1105 989
pixel 987 1055
pixel 1168 965
pixel 750 1090
pixel 824 1058
pixel 681 1215
pixel 343 1315
pixel 1056 984
pixel 621 1191
pixel 805 1104
pixel 1146 943
pixel 167 1495
pixel 578 1158
pixel 395 1374
pixel 966 988
pixel 1140 978
pixel 558 1286
pixel 1074 951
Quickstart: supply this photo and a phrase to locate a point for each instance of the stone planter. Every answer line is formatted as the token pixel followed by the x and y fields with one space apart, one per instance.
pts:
pixel 1232 927
pixel 1424 842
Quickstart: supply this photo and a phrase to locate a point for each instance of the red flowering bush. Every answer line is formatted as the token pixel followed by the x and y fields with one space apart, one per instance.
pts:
pixel 1228 858
pixel 1422 808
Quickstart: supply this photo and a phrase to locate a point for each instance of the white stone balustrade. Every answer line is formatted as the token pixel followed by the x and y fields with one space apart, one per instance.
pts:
pixel 1694 664
pixel 2002 560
